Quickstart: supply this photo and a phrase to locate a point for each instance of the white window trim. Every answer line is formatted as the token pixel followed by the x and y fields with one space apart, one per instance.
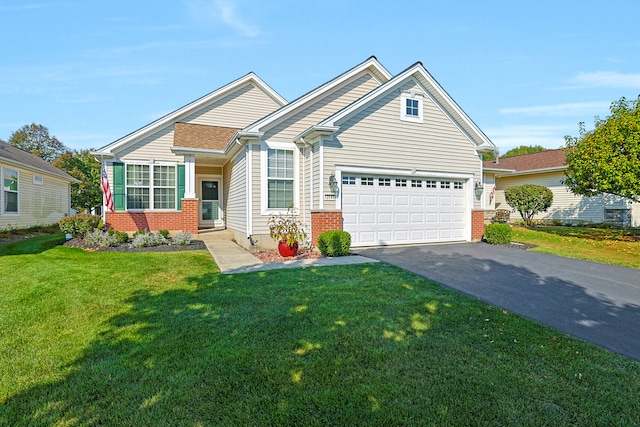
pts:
pixel 2 192
pixel 151 164
pixel 264 194
pixel 38 179
pixel 404 96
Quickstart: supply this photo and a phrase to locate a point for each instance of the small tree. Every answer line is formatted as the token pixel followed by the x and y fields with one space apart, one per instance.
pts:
pixel 529 199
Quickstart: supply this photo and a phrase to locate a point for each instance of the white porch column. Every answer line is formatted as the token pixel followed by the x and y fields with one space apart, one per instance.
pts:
pixel 189 177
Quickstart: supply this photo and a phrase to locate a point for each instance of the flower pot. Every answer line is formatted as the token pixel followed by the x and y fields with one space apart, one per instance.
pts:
pixel 286 250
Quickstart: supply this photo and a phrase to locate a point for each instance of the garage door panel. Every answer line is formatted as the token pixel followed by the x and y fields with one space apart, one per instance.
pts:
pixel 380 215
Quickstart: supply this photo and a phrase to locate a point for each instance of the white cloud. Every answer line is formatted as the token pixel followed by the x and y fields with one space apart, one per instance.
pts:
pixel 224 11
pixel 576 109
pixel 547 136
pixel 607 79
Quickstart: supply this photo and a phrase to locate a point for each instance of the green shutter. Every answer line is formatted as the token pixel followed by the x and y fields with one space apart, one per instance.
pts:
pixel 118 186
pixel 180 186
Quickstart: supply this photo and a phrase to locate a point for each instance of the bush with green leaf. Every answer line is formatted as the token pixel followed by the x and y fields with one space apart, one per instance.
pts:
pixel 164 233
pixel 120 236
pixel 498 234
pixel 100 238
pixel 528 200
pixel 79 225
pixel 334 243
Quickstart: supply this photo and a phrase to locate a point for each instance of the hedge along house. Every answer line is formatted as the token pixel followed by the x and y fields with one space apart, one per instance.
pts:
pixel 547 168
pixel 391 160
pixel 34 192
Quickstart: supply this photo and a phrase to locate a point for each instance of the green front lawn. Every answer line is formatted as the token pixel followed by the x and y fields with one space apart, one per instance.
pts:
pixel 611 246
pixel 152 339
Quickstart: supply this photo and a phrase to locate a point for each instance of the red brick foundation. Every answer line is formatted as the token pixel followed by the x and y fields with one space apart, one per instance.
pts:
pixel 477 224
pixel 322 221
pixel 185 220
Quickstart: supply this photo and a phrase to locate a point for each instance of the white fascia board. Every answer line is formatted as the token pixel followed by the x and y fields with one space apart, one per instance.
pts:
pixel 38 171
pixel 543 170
pixel 277 116
pixel 191 151
pixel 498 170
pixel 191 107
pixel 314 132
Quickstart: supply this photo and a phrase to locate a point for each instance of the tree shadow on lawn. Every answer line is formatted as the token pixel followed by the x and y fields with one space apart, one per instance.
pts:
pixel 497 276
pixel 187 357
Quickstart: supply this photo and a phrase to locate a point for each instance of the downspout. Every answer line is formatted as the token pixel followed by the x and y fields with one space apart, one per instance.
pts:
pixel 249 192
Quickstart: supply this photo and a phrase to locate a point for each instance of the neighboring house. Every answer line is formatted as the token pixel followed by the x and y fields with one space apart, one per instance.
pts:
pixel 390 159
pixel 34 192
pixel 547 168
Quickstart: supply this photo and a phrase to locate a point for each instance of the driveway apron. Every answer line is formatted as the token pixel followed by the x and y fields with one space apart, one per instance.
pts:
pixel 596 302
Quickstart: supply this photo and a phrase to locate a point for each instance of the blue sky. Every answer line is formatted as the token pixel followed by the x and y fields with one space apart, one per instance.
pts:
pixel 525 72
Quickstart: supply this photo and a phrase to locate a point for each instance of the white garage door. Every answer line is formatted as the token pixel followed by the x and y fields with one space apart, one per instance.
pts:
pixel 396 210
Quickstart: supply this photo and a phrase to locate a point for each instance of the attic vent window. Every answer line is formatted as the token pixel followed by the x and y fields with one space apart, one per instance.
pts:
pixel 411 106
pixel 38 180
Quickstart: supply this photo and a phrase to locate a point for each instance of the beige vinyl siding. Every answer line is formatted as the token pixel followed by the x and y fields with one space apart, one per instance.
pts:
pixel 156 146
pixel 37 204
pixel 235 192
pixel 376 137
pixel 208 170
pixel 316 176
pixel 566 206
pixel 635 214
pixel 489 183
pixel 236 110
pixel 322 108
pixel 259 222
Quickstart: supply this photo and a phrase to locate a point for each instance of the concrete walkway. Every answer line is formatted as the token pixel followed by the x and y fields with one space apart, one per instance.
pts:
pixel 232 259
pixel 599 303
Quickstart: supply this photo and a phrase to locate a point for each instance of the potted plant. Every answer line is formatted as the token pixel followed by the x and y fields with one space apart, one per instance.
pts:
pixel 288 231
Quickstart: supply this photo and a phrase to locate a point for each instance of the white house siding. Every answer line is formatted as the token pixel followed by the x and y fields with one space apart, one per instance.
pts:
pixel 566 206
pixel 37 204
pixel 321 109
pixel 376 137
pixel 235 187
pixel 236 110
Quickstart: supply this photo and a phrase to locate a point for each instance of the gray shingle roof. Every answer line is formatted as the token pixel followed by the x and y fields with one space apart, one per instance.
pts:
pixel 16 155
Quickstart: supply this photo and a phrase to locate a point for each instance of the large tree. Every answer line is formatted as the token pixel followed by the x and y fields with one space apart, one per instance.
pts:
pixel 607 159
pixel 35 139
pixel 82 166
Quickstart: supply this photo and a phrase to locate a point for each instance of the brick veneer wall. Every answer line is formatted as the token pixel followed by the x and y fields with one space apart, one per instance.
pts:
pixel 185 220
pixel 477 224
pixel 322 221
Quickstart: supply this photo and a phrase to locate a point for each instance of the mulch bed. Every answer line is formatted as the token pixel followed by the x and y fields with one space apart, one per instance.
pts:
pixel 195 245
pixel 274 256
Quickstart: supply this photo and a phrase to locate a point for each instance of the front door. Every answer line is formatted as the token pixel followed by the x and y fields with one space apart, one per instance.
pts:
pixel 210 209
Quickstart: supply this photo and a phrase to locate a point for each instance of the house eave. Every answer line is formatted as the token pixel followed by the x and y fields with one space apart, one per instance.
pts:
pixel 315 132
pixel 68 178
pixel 189 151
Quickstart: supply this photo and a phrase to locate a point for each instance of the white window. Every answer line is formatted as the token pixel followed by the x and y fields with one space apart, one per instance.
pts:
pixel 411 106
pixel 416 183
pixel 430 183
pixel 280 173
pixel 366 181
pixel 457 185
pixel 348 180
pixel 384 182
pixel 38 180
pixel 401 182
pixel 9 191
pixel 146 193
pixel 445 184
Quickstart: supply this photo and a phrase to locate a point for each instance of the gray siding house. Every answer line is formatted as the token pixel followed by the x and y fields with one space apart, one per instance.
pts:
pixel 390 159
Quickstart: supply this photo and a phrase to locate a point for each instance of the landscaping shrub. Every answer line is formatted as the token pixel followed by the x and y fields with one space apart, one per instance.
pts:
pixel 146 239
pixel 529 199
pixel 183 238
pixel 498 234
pixel 120 236
pixel 334 243
pixel 164 233
pixel 140 233
pixel 100 238
pixel 79 225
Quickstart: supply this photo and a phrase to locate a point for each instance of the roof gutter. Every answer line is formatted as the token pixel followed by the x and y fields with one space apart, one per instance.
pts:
pixel 314 132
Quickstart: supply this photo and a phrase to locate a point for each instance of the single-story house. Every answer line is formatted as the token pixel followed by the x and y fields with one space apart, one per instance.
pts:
pixel 34 192
pixel 390 159
pixel 548 168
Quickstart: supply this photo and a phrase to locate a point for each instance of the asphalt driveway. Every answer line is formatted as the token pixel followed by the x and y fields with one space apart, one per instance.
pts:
pixel 596 302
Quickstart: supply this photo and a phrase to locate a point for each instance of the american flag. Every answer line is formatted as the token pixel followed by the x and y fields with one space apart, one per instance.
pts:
pixel 106 191
pixel 493 194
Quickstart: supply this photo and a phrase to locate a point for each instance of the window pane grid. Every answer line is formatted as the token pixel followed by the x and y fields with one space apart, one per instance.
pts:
pixel 280 163
pixel 10 186
pixel 138 198
pixel 280 194
pixel 164 176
